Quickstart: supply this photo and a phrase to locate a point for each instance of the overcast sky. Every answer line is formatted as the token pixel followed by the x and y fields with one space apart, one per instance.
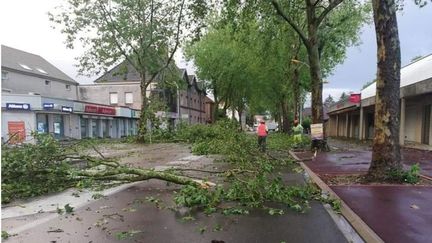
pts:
pixel 25 26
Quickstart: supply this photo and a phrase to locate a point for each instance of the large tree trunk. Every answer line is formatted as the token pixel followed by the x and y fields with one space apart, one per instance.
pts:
pixel 144 116
pixel 386 148
pixel 296 91
pixel 317 85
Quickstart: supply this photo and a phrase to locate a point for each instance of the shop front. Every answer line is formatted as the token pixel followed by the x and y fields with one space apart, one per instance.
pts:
pixel 96 121
pixel 18 117
pixel 57 118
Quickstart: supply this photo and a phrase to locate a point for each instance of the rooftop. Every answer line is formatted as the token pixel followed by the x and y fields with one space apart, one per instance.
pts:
pixel 412 73
pixel 31 64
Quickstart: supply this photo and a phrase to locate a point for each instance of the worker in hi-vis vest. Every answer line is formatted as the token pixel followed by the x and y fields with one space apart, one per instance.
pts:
pixel 297 131
pixel 262 132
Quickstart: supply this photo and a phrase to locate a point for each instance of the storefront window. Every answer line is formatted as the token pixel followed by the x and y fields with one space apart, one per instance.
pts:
pixel 105 128
pixel 84 124
pixel 95 128
pixel 125 131
pixel 58 126
pixel 42 123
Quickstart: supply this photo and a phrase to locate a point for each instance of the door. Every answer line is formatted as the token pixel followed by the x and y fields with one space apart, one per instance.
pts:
pixel 84 124
pixel 426 124
pixel 58 126
pixel 42 123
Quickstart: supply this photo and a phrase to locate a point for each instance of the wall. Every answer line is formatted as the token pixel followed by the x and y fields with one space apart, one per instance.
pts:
pixel 28 117
pixel 192 103
pixel 23 84
pixel 100 93
pixel 411 124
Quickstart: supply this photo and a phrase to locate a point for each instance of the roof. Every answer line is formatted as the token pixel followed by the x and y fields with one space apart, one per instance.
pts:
pixel 307 112
pixel 412 73
pixel 31 64
pixel 123 72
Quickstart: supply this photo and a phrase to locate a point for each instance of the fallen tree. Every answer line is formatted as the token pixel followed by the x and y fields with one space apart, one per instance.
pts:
pixel 250 179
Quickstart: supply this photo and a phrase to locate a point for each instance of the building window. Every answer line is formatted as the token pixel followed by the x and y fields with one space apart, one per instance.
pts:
pixel 68 87
pixel 25 67
pixel 129 98
pixel 5 75
pixel 41 70
pixel 113 98
pixel 47 82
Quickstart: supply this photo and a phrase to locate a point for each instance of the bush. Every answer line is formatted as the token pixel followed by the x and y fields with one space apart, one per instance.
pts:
pixel 411 176
pixel 33 169
pixel 282 141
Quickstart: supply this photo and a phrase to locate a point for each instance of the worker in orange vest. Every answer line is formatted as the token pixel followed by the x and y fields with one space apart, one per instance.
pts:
pixel 262 132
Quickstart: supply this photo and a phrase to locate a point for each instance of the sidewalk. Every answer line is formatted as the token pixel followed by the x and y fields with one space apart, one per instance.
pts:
pixel 396 213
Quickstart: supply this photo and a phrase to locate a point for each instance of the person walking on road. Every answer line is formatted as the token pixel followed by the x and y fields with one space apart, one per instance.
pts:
pixel 262 132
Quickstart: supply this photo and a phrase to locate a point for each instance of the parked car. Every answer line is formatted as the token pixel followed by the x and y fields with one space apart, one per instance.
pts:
pixel 273 126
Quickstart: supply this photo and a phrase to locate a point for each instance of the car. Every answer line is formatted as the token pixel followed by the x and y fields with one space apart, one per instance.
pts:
pixel 272 126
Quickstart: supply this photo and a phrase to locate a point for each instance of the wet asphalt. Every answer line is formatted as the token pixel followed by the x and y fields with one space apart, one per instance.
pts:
pixel 130 211
pixel 397 213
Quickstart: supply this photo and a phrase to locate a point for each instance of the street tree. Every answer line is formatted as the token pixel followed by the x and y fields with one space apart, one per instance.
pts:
pixel 144 33
pixel 386 157
pixel 329 26
pixel 329 101
pixel 344 97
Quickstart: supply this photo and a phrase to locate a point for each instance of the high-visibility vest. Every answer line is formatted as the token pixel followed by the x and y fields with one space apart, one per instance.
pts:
pixel 262 130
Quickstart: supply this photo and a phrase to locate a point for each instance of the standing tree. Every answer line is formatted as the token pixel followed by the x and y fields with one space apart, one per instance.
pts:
pixel 322 19
pixel 386 148
pixel 343 97
pixel 144 33
pixel 329 101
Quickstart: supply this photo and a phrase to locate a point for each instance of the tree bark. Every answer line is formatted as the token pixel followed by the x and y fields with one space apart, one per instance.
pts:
pixel 216 103
pixel 386 148
pixel 285 118
pixel 142 129
pixel 296 91
pixel 315 74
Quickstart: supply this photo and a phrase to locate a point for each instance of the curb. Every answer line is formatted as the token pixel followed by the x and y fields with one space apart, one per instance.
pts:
pixel 356 222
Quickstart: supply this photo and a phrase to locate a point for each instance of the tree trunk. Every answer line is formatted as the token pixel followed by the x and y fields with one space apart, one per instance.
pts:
pixel 386 148
pixel 240 113
pixel 317 85
pixel 296 91
pixel 285 117
pixel 216 104
pixel 142 129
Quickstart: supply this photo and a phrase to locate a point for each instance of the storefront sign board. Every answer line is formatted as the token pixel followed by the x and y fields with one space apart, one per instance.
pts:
pixel 317 132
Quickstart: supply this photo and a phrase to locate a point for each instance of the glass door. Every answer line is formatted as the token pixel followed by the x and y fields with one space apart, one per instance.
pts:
pixel 58 126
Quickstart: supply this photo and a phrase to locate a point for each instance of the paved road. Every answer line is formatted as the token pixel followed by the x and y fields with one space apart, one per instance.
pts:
pixel 105 219
pixel 101 221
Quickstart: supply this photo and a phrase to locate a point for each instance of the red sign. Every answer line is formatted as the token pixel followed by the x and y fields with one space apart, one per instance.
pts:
pixel 91 109
pixel 16 131
pixel 100 110
pixel 106 110
pixel 355 98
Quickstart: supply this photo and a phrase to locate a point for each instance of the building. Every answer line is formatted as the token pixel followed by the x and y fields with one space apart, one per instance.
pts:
pixel 354 119
pixel 24 73
pixel 120 86
pixel 209 106
pixel 192 100
pixel 38 97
